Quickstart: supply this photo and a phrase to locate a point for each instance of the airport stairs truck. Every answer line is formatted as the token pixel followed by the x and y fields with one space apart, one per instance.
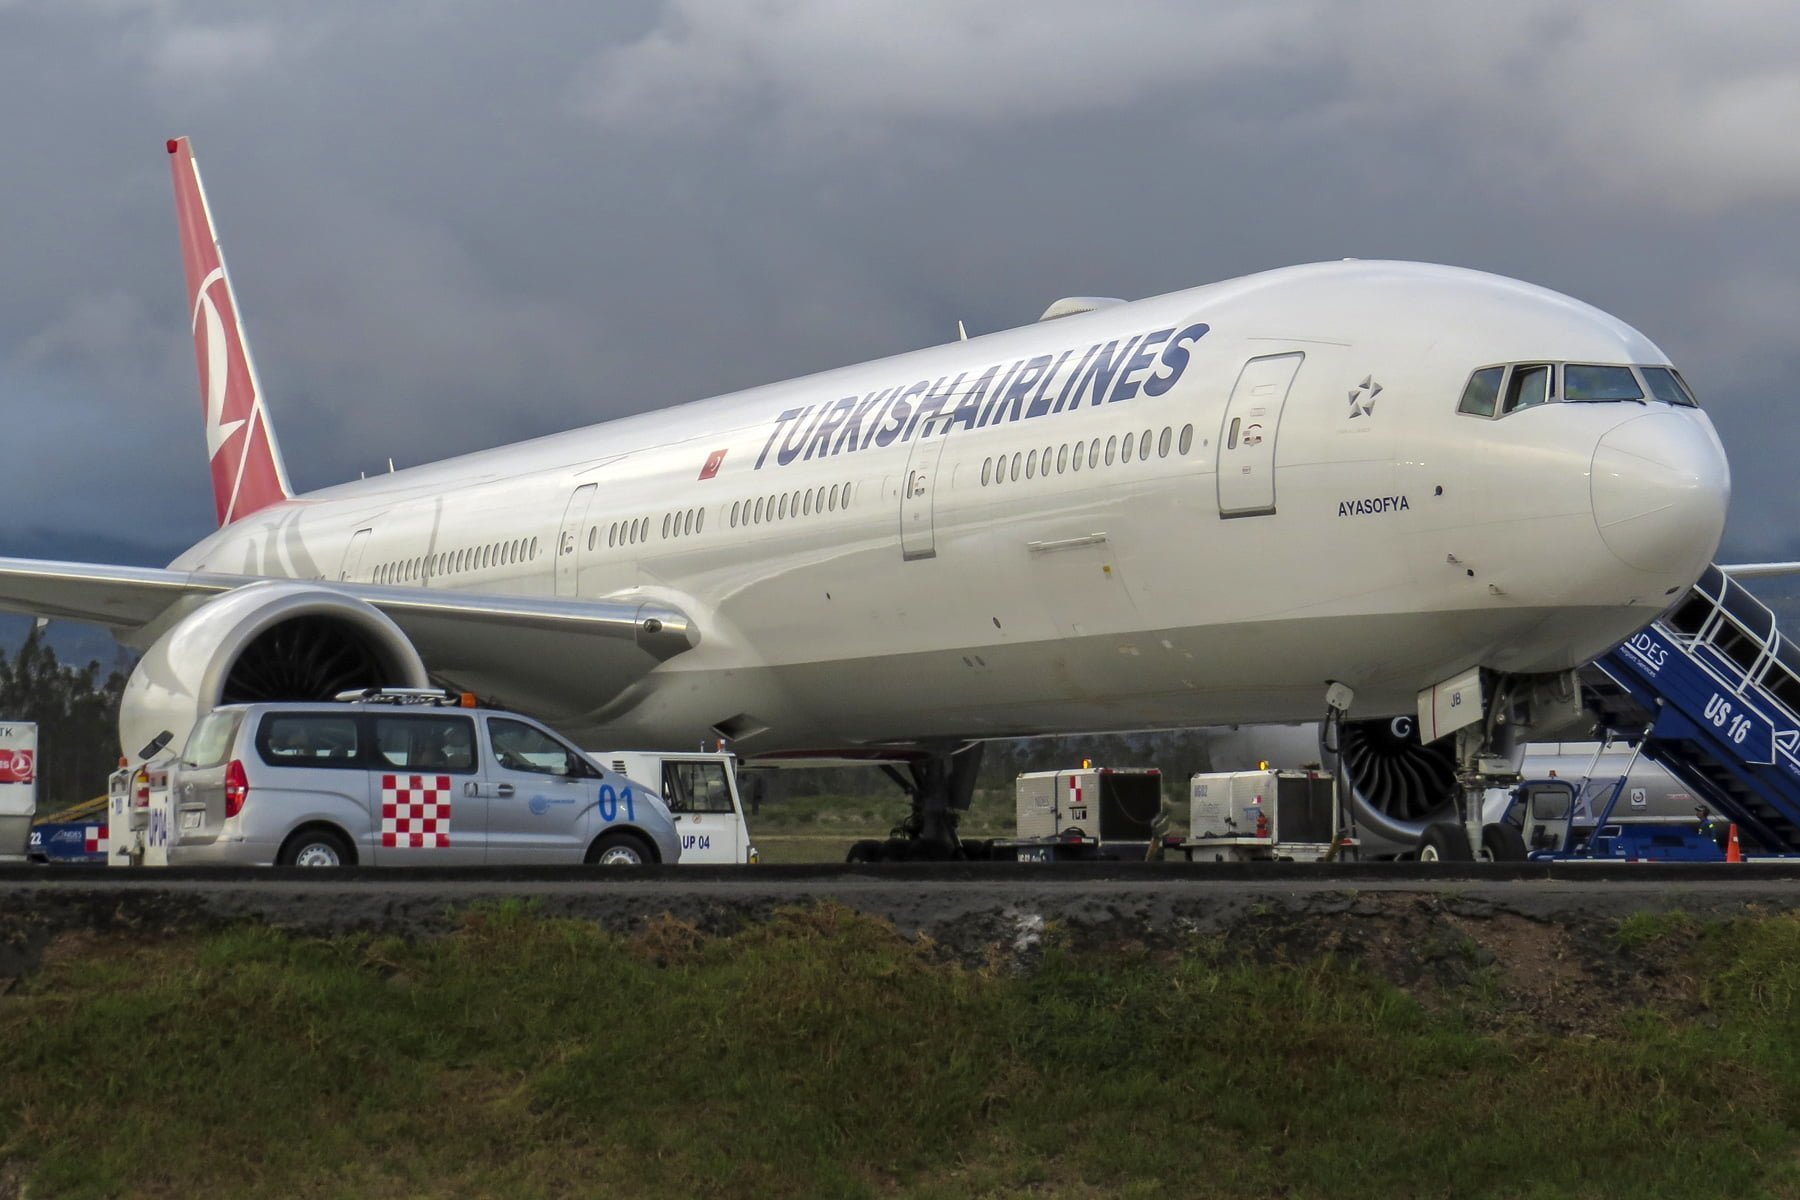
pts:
pixel 1713 688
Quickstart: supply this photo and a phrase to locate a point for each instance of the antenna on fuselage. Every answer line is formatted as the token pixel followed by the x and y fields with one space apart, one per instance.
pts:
pixel 962 334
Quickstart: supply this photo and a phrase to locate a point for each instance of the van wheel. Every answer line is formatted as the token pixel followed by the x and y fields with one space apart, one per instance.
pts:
pixel 315 848
pixel 620 850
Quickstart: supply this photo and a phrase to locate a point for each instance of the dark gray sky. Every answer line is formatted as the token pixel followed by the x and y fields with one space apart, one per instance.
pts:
pixel 452 225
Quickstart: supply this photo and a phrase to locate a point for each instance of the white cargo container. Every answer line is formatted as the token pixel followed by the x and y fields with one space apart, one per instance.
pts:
pixel 18 787
pixel 1264 815
pixel 1085 812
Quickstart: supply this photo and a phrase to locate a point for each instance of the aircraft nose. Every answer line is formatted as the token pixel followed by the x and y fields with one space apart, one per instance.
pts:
pixel 1660 485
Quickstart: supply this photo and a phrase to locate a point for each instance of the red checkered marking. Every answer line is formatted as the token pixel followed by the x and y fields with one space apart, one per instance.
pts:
pixel 94 840
pixel 415 811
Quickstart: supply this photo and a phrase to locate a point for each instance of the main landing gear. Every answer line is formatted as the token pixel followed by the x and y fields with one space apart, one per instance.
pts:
pixel 940 786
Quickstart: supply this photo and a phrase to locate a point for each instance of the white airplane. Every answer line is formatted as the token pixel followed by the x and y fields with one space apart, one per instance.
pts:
pixel 1188 510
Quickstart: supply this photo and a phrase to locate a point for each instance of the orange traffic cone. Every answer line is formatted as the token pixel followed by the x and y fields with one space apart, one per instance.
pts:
pixel 1733 852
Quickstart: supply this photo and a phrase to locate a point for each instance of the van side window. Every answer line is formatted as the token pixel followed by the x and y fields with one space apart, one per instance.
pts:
pixel 289 739
pixel 696 787
pixel 522 747
pixel 436 743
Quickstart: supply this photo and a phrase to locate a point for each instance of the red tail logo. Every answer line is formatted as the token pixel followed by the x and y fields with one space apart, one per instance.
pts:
pixel 247 474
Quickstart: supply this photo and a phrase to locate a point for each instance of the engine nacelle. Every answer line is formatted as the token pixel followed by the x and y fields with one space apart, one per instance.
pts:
pixel 274 640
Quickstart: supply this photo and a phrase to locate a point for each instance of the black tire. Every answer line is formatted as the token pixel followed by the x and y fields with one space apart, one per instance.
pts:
pixel 316 848
pixel 1502 843
pixel 620 849
pixel 866 851
pixel 1445 842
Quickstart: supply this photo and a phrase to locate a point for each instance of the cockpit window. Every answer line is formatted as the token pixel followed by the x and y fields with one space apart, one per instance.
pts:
pixel 1527 387
pixel 1583 383
pixel 1483 390
pixel 1669 387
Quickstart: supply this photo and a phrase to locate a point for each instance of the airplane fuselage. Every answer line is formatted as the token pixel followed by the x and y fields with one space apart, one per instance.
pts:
pixel 1193 509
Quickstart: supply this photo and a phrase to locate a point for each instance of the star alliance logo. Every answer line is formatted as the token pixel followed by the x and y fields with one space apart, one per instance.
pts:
pixel 1362 397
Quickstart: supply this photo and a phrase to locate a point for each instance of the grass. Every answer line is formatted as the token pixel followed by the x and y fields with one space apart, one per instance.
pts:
pixel 819 1053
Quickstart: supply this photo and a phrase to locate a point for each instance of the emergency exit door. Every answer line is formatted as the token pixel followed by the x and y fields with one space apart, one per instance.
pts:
pixel 353 554
pixel 568 540
pixel 1246 465
pixel 918 536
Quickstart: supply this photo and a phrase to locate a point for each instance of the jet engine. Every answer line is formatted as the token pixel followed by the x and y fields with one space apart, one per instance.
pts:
pixel 1397 785
pixel 274 640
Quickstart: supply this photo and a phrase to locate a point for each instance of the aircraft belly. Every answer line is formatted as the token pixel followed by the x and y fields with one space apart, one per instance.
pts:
pixel 1266 671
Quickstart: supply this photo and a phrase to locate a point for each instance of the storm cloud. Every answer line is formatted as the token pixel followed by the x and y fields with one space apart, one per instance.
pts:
pixel 451 225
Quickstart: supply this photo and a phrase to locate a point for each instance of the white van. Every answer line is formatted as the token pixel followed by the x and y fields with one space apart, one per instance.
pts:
pixel 402 778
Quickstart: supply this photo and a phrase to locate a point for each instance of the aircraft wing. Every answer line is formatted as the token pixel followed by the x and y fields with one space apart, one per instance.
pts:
pixel 486 643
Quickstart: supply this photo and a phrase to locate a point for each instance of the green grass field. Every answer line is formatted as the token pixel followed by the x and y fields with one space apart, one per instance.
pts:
pixel 821 1054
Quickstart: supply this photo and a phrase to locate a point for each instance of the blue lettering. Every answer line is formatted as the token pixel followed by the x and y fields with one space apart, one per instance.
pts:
pixel 898 412
pixel 852 430
pixel 1039 405
pixel 790 447
pixel 1063 396
pixel 1102 370
pixel 783 419
pixel 820 443
pixel 1009 407
pixel 1174 360
pixel 1125 389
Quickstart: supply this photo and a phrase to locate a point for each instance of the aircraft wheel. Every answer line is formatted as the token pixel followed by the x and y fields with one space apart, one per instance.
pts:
pixel 1502 843
pixel 1445 841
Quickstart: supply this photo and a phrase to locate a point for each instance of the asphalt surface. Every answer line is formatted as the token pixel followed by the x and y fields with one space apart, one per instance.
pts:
pixel 969 906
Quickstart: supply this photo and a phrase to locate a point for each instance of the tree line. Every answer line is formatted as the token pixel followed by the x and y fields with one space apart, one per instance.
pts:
pixel 76 710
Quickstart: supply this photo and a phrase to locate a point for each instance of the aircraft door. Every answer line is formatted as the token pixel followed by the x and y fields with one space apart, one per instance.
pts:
pixel 568 542
pixel 1246 465
pixel 353 555
pixel 918 538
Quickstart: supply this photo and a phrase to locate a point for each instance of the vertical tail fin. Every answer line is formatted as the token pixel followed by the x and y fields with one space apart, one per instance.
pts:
pixel 247 474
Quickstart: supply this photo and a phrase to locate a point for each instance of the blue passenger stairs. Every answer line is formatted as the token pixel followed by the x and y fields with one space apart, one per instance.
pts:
pixel 1714 689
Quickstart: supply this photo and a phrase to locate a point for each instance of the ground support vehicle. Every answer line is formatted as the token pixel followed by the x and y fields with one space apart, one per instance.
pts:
pixel 74 835
pixel 704 799
pixel 1266 815
pixel 1085 814
pixel 1549 816
pixel 397 777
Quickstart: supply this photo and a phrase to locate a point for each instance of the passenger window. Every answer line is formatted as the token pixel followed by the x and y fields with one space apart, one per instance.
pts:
pixel 1668 387
pixel 308 740
pixel 696 787
pixel 1162 445
pixel 1125 448
pixel 1112 445
pixel 1094 453
pixel 1528 386
pixel 1075 460
pixel 1062 458
pixel 1015 466
pixel 1484 388
pixel 1187 439
pixel 1030 464
pixel 1583 384
pixel 434 744
pixel 522 747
